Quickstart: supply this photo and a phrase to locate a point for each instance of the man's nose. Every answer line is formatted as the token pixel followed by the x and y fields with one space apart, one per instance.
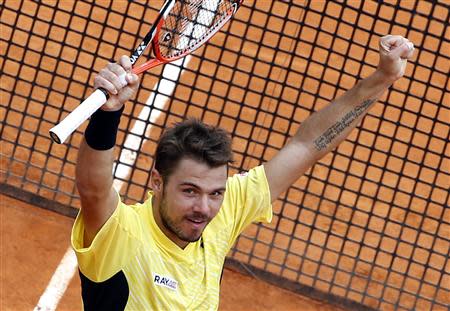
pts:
pixel 202 204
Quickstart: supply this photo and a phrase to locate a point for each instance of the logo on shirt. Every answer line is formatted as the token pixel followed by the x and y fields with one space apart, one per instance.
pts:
pixel 165 281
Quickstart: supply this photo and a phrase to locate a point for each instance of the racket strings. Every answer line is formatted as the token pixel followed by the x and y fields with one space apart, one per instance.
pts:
pixel 190 23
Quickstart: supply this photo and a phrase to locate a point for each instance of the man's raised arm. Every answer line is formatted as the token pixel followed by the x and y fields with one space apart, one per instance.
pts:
pixel 325 129
pixel 96 155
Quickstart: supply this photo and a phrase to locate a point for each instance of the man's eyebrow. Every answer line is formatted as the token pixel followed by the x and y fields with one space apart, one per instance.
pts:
pixel 221 189
pixel 190 184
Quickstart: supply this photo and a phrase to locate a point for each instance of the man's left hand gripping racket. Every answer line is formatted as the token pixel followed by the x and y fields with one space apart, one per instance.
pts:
pixel 181 27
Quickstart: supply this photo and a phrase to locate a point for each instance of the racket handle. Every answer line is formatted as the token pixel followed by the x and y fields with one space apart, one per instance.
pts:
pixel 73 120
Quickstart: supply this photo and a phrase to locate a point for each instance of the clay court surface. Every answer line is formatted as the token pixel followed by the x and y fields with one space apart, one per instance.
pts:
pixel 395 174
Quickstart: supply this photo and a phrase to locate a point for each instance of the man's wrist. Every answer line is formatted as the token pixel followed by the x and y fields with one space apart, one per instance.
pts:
pixel 101 132
pixel 383 78
pixel 374 85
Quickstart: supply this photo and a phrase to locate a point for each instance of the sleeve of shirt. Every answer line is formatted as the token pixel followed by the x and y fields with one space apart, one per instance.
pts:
pixel 112 246
pixel 247 200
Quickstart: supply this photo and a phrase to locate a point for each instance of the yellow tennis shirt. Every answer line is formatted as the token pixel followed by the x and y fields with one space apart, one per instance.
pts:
pixel 132 265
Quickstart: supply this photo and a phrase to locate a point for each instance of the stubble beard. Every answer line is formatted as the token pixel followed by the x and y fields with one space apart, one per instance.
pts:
pixel 171 225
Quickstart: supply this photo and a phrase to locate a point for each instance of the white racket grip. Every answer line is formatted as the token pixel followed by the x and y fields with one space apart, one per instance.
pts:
pixel 73 120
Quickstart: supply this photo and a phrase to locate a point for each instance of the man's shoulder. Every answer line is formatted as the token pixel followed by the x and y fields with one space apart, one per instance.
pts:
pixel 140 206
pixel 240 180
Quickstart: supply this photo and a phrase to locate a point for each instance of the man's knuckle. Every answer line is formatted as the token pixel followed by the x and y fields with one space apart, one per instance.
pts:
pixel 98 79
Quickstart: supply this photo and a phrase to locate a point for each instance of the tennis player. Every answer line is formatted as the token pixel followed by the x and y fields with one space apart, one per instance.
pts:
pixel 167 253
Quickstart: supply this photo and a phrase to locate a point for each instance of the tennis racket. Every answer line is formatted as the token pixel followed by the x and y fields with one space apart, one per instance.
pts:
pixel 181 27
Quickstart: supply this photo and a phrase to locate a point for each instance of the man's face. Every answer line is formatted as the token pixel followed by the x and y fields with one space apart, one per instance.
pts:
pixel 189 200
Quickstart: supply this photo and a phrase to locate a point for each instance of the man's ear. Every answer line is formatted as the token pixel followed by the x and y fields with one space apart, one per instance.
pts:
pixel 156 181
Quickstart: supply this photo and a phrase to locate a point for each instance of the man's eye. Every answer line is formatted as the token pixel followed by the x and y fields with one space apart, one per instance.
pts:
pixel 188 191
pixel 216 193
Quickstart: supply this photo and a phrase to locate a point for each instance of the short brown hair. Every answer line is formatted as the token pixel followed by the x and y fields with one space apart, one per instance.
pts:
pixel 192 139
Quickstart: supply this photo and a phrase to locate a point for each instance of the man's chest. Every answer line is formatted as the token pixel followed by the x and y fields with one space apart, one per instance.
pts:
pixel 159 280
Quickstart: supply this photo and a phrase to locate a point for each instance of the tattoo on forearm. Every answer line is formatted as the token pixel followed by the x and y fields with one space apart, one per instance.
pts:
pixel 332 132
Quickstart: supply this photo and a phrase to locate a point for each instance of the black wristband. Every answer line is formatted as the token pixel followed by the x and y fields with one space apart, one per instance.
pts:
pixel 101 131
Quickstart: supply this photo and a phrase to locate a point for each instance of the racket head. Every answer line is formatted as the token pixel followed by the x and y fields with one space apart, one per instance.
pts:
pixel 165 9
pixel 188 25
